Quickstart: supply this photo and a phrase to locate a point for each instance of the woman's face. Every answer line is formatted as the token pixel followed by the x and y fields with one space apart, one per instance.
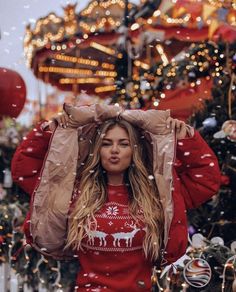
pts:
pixel 116 152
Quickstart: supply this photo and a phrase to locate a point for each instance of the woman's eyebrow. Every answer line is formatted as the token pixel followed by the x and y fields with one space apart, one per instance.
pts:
pixel 110 140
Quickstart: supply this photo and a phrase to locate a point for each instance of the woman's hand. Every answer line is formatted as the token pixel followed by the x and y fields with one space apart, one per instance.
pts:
pixel 179 126
pixel 61 119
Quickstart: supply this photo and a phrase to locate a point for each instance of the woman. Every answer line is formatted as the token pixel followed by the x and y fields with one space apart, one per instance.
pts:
pixel 113 190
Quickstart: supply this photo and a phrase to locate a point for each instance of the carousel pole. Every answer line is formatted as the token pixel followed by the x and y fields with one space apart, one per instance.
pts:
pixel 75 85
pixel 39 95
pixel 40 101
pixel 126 14
pixel 126 24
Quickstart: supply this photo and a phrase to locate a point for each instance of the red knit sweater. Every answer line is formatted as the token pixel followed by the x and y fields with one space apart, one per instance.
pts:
pixel 113 257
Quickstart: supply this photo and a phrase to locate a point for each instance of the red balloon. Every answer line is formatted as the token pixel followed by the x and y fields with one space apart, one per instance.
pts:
pixel 12 93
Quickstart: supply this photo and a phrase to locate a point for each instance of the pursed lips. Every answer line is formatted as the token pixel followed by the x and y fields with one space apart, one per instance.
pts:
pixel 114 159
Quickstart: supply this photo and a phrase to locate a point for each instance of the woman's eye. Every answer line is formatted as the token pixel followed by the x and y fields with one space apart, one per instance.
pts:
pixel 120 144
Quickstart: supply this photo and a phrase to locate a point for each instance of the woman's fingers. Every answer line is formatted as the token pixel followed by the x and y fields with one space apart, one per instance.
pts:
pixel 179 126
pixel 182 131
pixel 64 120
pixel 174 123
pixel 61 119
pixel 171 123
pixel 168 123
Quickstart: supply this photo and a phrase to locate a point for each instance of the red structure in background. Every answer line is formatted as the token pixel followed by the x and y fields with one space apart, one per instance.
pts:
pixel 183 101
pixel 12 93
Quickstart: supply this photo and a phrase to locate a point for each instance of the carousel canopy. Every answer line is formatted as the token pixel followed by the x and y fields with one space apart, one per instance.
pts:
pixel 113 39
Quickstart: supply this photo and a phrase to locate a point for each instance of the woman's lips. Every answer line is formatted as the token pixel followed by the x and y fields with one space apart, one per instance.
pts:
pixel 114 159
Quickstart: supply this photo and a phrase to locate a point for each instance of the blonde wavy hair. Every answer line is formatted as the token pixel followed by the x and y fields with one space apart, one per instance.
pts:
pixel 142 190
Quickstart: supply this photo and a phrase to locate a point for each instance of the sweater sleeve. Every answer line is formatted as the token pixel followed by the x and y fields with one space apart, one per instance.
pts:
pixel 197 169
pixel 28 158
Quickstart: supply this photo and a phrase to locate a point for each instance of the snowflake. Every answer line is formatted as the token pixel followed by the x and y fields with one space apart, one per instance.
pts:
pixel 112 211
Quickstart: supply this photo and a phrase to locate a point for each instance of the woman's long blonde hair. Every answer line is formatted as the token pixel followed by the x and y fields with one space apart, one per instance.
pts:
pixel 143 193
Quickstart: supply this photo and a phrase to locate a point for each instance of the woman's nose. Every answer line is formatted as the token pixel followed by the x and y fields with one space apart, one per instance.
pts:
pixel 114 148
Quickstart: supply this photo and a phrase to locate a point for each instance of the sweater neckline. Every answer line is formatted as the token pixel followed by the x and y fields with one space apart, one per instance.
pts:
pixel 118 194
pixel 121 187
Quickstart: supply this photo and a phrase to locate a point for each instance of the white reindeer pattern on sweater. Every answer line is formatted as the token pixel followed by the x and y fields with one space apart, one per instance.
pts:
pixel 116 230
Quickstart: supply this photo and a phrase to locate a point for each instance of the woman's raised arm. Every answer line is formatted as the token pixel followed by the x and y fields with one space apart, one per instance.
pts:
pixel 197 169
pixel 28 158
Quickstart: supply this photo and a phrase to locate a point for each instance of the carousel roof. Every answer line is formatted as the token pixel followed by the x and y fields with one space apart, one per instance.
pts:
pixel 89 50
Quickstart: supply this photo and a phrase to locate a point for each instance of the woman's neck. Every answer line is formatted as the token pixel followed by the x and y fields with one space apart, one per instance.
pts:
pixel 115 179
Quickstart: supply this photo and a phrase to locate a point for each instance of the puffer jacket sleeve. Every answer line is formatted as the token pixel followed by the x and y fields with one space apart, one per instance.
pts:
pixel 28 158
pixel 51 199
pixel 197 169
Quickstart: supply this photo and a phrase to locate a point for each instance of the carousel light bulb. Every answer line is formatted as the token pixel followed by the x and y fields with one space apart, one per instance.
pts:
pixel 102 48
pixel 105 88
pixel 134 26
pixel 157 13
pixel 187 17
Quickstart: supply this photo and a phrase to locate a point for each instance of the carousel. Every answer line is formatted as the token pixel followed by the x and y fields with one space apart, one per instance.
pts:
pixel 119 51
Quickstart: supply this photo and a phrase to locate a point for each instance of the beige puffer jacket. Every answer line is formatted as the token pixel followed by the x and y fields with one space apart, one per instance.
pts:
pixel 68 149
